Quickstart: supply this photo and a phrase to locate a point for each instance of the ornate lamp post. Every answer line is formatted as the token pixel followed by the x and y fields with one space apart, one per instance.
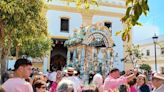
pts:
pixel 155 38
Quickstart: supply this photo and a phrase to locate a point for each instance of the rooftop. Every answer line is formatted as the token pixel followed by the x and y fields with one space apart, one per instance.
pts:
pixel 150 40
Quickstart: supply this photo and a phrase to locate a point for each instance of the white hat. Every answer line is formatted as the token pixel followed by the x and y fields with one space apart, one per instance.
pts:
pixel 142 75
pixel 159 76
pixel 70 70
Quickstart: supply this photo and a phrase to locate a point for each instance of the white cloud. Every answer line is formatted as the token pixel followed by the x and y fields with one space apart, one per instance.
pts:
pixel 144 32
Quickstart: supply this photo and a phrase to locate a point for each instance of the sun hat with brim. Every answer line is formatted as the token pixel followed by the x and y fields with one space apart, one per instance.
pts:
pixel 70 70
pixel 142 75
pixel 158 76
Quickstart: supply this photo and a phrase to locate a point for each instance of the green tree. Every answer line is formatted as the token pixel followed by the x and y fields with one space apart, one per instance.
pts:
pixel 23 26
pixel 135 8
pixel 134 55
pixel 145 67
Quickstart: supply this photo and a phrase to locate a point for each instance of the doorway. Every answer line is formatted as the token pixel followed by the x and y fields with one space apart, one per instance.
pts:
pixel 58 55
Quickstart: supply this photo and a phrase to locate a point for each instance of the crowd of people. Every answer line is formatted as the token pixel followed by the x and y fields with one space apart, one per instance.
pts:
pixel 26 79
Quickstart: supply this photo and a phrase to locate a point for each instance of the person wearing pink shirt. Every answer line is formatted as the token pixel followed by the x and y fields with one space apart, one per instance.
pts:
pixel 55 83
pixel 132 85
pixel 21 72
pixel 114 80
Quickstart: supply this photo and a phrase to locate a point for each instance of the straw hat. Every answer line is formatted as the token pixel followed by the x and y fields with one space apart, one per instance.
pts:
pixel 142 75
pixel 159 76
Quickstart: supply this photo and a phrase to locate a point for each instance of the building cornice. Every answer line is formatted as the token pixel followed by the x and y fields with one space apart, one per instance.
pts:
pixel 150 44
pixel 111 5
pixel 91 11
pixel 59 37
pixel 114 4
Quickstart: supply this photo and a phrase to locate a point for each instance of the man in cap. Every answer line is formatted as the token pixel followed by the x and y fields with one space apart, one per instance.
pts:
pixel 22 70
pixel 158 82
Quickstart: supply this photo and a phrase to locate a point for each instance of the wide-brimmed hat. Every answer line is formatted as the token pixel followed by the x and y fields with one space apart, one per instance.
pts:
pixel 70 70
pixel 142 75
pixel 158 76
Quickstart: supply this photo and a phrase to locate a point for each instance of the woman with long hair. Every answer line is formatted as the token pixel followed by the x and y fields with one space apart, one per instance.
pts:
pixel 142 84
pixel 40 86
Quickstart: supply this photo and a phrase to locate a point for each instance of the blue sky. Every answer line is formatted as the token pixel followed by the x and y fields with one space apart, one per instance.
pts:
pixel 156 15
pixel 153 23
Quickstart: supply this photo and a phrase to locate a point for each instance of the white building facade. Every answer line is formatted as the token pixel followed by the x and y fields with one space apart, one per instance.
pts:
pixel 148 50
pixel 63 19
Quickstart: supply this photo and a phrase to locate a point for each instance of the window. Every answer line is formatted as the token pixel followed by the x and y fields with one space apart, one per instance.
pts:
pixel 162 50
pixel 147 52
pixel 162 70
pixel 108 24
pixel 64 26
pixel 71 56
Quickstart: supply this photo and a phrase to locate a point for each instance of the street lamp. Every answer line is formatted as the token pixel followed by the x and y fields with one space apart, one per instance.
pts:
pixel 155 38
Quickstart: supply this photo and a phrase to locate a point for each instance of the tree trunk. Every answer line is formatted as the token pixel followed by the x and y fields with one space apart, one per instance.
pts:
pixel 132 60
pixel 4 50
pixel 3 59
pixel 17 52
pixel 0 61
pixel 3 64
pixel 1 47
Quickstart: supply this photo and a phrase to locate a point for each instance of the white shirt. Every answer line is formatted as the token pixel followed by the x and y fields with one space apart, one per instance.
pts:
pixel 52 76
pixel 160 89
pixel 76 85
